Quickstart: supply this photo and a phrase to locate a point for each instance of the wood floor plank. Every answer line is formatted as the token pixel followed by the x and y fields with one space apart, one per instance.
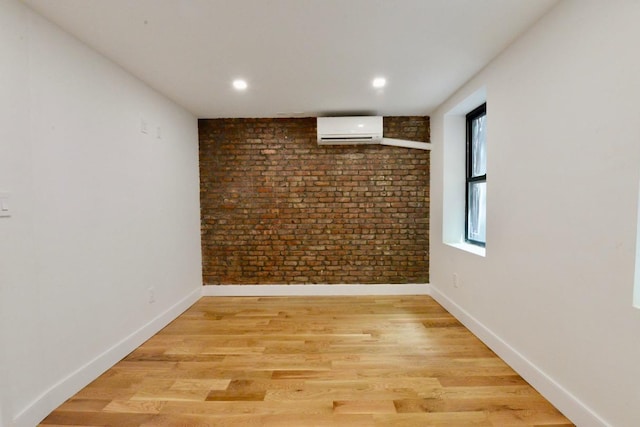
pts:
pixel 310 361
pixel 364 407
pixel 229 408
pixel 481 381
pixel 449 419
pixel 135 406
pixel 200 384
pixel 83 405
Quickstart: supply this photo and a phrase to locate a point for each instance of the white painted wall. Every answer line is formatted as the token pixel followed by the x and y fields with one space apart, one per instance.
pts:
pixel 101 212
pixel 554 292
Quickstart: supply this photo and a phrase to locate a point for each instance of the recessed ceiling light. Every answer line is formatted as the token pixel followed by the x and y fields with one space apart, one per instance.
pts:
pixel 239 84
pixel 379 82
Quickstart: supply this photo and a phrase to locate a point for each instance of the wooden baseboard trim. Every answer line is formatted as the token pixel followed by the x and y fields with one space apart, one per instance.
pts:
pixel 313 290
pixel 61 391
pixel 567 403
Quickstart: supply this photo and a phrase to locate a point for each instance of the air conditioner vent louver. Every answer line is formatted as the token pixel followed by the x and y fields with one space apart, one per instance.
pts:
pixel 347 138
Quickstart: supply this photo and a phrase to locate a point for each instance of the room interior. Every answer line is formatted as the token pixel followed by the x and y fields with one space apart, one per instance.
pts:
pixel 105 164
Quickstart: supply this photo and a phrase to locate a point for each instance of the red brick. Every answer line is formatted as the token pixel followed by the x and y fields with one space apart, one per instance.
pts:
pixel 278 208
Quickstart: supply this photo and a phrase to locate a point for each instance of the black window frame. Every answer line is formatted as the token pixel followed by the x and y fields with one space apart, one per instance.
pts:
pixel 469 178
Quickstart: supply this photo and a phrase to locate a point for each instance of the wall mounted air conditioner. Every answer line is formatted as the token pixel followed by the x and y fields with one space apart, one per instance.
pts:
pixel 349 130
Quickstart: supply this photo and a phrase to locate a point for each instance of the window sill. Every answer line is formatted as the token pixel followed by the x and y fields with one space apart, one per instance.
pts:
pixel 467 247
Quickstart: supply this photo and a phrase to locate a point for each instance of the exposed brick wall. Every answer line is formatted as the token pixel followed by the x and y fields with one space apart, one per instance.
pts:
pixel 279 209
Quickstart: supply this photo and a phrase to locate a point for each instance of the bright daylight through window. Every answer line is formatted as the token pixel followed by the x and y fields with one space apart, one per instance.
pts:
pixel 476 191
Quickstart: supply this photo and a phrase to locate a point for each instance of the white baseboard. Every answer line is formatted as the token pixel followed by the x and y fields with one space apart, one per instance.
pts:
pixel 567 403
pixel 61 391
pixel 312 290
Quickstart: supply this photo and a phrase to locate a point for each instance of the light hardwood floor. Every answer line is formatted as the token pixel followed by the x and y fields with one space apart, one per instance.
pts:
pixel 310 361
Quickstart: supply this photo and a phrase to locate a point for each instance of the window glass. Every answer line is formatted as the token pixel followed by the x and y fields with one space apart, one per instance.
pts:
pixel 477 211
pixel 479 150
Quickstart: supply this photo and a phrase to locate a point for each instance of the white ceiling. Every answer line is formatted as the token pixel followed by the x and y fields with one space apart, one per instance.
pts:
pixel 300 57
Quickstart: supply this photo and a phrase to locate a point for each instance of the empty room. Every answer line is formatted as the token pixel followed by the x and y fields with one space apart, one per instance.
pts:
pixel 319 213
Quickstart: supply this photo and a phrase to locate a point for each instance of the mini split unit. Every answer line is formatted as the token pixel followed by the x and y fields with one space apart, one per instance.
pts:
pixel 349 130
pixel 357 130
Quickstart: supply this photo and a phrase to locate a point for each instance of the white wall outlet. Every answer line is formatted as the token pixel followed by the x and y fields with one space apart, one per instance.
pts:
pixel 152 295
pixel 144 126
pixel 158 132
pixel 5 211
pixel 456 280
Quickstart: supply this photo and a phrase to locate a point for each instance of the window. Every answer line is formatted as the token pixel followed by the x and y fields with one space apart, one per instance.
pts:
pixel 476 182
pixel 454 167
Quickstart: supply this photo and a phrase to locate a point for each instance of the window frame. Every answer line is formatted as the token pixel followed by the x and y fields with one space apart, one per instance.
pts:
pixel 469 178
